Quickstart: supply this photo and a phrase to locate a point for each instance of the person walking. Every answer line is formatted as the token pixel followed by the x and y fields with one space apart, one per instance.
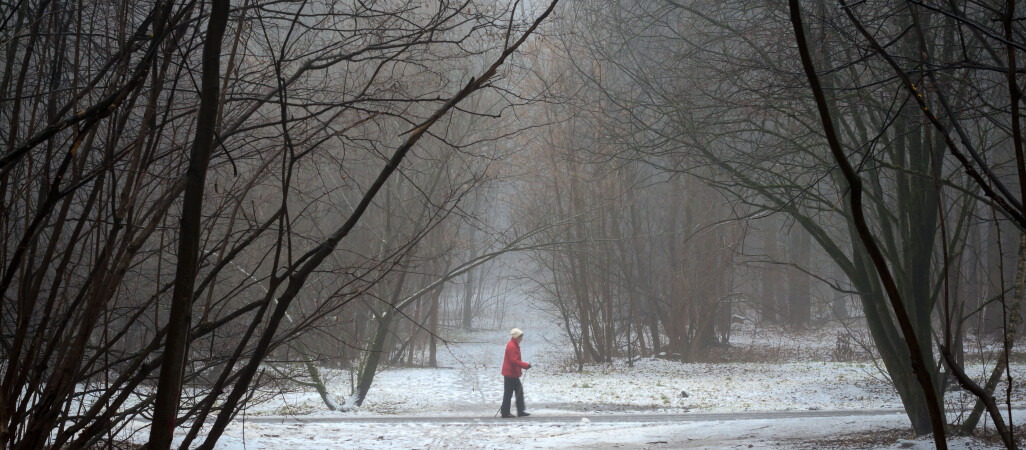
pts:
pixel 511 367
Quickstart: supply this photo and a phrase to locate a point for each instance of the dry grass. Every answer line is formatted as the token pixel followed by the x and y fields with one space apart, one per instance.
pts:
pixel 868 439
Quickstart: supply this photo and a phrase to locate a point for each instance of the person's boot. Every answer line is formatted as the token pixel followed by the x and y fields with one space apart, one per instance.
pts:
pixel 523 414
pixel 506 415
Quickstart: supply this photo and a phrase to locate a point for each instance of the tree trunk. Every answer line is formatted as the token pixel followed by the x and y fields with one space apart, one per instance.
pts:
pixel 468 290
pixel 992 312
pixel 773 303
pixel 370 365
pixel 433 327
pixel 169 387
pixel 315 376
pixel 800 299
pixel 649 307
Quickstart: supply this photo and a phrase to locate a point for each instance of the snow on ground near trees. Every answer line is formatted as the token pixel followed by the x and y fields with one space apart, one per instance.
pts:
pixel 468 385
pixel 468 380
pixel 718 434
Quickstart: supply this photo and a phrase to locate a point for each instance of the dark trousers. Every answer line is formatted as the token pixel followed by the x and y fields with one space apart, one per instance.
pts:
pixel 511 385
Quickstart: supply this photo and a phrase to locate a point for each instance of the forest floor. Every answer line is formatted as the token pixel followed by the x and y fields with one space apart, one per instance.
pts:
pixel 773 388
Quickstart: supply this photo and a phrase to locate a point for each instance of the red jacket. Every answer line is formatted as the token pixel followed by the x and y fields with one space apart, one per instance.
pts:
pixel 511 363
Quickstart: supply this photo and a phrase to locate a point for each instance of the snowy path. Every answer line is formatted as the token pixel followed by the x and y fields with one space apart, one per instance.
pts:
pixel 574 418
pixel 787 429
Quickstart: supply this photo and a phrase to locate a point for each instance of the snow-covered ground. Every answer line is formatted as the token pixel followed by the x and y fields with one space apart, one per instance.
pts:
pixel 468 380
pixel 788 433
pixel 467 388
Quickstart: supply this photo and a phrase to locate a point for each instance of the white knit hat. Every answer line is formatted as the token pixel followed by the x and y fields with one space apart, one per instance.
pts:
pixel 516 333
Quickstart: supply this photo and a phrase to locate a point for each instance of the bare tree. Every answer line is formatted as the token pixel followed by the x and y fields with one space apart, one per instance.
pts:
pixel 102 99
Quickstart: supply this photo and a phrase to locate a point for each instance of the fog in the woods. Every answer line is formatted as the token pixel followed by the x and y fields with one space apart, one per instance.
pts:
pixel 217 209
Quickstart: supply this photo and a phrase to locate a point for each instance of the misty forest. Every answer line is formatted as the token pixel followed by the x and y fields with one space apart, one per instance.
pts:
pixel 295 224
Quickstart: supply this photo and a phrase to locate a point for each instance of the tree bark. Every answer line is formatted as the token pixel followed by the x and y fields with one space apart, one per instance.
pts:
pixel 169 387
